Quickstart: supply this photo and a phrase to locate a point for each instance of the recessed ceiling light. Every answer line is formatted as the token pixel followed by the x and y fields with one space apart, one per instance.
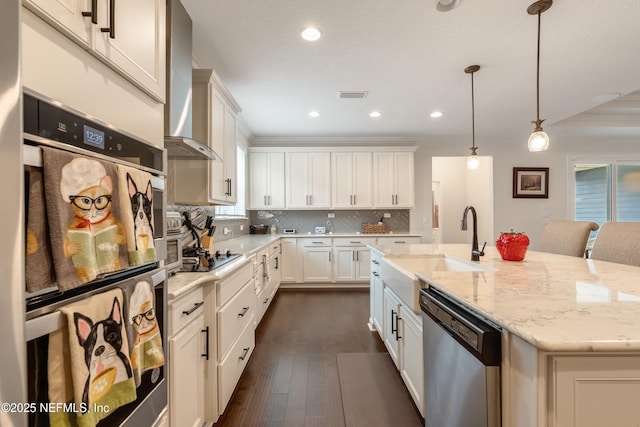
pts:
pixel 375 114
pixel 311 34
pixel 436 114
pixel 314 114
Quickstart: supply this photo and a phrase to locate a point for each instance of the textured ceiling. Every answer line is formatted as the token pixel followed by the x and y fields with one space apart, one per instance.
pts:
pixel 411 59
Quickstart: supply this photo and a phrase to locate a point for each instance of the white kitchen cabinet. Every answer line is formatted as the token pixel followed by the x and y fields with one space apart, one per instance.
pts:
pixel 390 324
pixel 393 179
pixel 127 36
pixel 290 271
pixel 188 349
pixel 351 259
pixel 266 180
pixel 308 182
pixel 205 182
pixel 351 180
pixel 317 260
pixel 376 295
pixel 411 358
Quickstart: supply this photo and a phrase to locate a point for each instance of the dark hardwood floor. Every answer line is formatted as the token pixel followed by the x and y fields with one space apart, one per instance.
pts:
pixel 292 376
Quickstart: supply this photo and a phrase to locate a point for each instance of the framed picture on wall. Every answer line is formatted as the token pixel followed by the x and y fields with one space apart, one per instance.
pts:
pixel 531 183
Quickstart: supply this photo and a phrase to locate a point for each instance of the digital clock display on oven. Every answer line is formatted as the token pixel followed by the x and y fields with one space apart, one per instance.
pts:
pixel 93 137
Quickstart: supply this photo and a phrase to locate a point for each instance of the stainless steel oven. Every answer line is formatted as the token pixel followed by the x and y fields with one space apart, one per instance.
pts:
pixel 133 325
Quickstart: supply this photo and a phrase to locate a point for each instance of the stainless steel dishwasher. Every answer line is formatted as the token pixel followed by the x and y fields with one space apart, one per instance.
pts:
pixel 462 354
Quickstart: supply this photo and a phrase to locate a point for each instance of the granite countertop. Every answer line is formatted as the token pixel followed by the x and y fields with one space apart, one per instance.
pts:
pixel 554 302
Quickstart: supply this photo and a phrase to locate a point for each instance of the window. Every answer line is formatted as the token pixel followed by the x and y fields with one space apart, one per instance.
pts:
pixel 607 191
pixel 239 210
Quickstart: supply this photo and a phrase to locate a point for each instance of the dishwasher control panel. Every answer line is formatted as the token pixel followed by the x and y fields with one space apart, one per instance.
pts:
pixel 480 336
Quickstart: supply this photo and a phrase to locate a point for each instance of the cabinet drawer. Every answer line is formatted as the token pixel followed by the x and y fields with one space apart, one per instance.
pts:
pixel 184 309
pixel 233 316
pixel 230 369
pixel 316 241
pixel 228 287
pixel 354 241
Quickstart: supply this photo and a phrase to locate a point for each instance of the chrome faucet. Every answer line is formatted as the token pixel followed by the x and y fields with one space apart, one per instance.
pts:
pixel 476 253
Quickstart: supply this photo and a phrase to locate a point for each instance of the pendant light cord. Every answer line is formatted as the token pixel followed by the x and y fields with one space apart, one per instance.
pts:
pixel 473 116
pixel 537 73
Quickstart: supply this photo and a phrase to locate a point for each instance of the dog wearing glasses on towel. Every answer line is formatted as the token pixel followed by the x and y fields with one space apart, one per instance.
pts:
pixel 142 209
pixel 102 342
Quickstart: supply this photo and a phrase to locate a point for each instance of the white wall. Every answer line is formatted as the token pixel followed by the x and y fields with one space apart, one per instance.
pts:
pixel 520 214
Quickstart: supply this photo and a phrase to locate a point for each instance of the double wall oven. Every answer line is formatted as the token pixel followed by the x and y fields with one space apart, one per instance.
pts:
pixel 114 356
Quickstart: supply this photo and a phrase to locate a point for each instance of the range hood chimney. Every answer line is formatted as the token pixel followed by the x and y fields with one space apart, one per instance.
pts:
pixel 177 111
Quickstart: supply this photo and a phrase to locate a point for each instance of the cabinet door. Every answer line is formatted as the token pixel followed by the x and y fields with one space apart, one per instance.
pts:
pixel 276 195
pixel 404 180
pixel 317 264
pixel 363 264
pixel 320 180
pixel 66 16
pixel 230 156
pixel 186 385
pixel 342 180
pixel 344 260
pixel 377 298
pixel 390 325
pixel 384 180
pixel 362 184
pixel 135 42
pixel 411 354
pixel 289 260
pixel 258 184
pixel 592 391
pixel 217 184
pixel 297 180
pixel 275 269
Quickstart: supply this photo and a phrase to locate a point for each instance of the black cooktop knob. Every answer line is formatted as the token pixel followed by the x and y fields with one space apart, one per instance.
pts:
pixel 217 254
pixel 228 254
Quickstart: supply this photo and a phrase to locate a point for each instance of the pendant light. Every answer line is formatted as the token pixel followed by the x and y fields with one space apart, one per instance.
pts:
pixel 473 162
pixel 539 140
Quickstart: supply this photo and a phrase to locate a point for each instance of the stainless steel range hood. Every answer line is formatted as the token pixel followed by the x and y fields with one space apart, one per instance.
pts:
pixel 177 112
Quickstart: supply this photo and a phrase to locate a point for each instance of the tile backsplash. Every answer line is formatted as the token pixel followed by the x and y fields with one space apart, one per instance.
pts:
pixel 344 221
pixel 348 221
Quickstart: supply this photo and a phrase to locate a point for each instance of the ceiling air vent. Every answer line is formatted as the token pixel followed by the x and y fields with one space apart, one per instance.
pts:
pixel 345 94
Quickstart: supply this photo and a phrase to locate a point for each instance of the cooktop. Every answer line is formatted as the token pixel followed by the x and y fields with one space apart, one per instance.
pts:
pixel 196 264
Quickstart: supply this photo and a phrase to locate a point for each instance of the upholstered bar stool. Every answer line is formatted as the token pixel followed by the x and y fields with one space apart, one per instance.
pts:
pixel 566 237
pixel 618 242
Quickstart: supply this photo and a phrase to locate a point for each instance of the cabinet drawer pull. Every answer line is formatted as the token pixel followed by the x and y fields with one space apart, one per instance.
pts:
pixel 93 13
pixel 111 29
pixel 276 267
pixel 318 243
pixel 194 308
pixel 243 312
pixel 245 351
pixel 265 200
pixel 269 200
pixel 376 262
pixel 375 273
pixel 206 343
pixel 353 243
pixel 400 241
pixel 266 300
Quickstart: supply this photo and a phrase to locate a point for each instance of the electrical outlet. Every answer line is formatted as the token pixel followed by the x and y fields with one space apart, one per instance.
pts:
pixel 241 227
pixel 331 215
pixel 225 230
pixel 387 215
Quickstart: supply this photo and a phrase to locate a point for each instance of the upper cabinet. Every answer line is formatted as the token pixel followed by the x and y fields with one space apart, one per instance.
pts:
pixel 393 184
pixel 308 183
pixel 215 112
pixel 266 180
pixel 351 180
pixel 129 37
pixel 331 178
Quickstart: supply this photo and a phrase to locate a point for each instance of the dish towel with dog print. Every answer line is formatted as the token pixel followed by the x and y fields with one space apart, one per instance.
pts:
pixel 143 331
pixel 97 363
pixel 87 238
pixel 136 211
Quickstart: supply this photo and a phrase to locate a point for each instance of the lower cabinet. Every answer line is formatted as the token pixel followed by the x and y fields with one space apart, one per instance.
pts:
pixel 402 335
pixel 317 258
pixel 290 271
pixel 351 259
pixel 188 350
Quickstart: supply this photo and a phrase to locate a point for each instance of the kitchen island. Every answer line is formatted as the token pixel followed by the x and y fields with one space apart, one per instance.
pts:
pixel 571 329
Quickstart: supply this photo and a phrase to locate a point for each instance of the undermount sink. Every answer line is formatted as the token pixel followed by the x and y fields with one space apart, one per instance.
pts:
pixel 399 272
